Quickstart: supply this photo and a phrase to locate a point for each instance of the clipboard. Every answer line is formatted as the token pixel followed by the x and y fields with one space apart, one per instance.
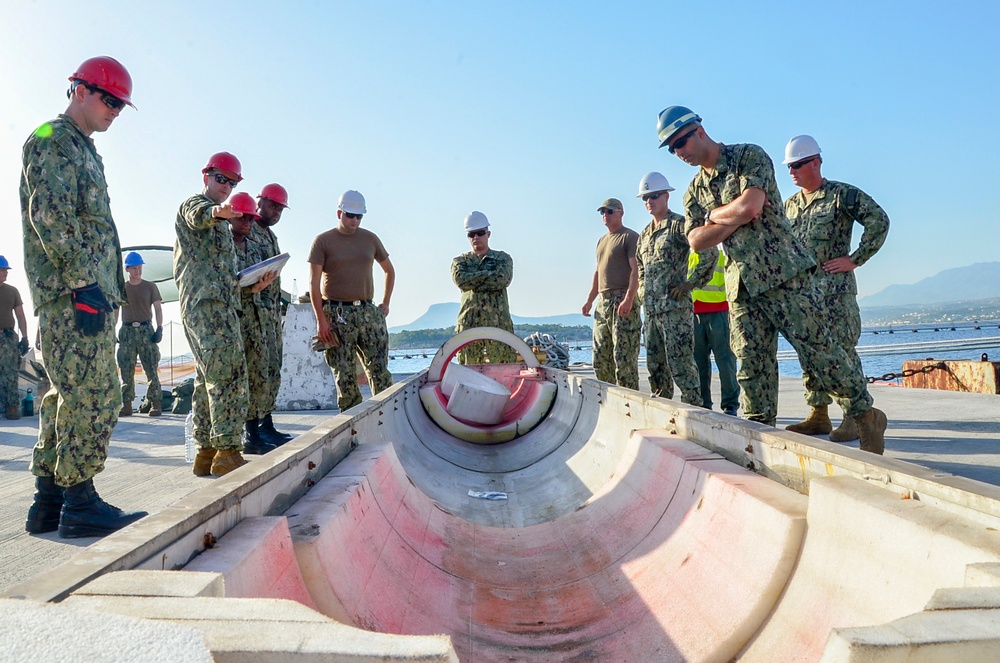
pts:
pixel 252 274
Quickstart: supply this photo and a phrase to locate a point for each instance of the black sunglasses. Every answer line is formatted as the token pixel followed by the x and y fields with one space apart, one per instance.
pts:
pixel 682 141
pixel 222 179
pixel 799 164
pixel 477 233
pixel 652 196
pixel 110 100
pixel 352 215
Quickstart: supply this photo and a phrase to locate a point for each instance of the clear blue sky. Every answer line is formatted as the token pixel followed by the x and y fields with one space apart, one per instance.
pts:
pixel 531 112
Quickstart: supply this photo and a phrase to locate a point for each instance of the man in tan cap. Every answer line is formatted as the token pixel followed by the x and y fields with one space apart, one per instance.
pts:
pixel 617 323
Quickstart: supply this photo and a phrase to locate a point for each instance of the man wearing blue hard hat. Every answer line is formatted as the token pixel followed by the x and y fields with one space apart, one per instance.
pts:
pixel 138 338
pixel 734 200
pixel 11 349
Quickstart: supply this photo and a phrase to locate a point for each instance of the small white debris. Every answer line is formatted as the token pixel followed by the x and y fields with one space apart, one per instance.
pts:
pixel 487 495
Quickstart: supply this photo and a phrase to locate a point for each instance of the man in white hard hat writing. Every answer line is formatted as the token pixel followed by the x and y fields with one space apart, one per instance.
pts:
pixel 822 214
pixel 483 275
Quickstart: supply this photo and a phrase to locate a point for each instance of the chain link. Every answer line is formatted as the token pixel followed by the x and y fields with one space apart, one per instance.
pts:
pixel 905 374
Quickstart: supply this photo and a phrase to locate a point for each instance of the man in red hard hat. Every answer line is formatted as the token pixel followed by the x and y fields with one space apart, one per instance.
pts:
pixel 253 322
pixel 73 260
pixel 205 272
pixel 271 202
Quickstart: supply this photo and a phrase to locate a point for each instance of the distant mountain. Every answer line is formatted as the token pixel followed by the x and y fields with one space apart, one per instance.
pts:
pixel 440 316
pixel 978 281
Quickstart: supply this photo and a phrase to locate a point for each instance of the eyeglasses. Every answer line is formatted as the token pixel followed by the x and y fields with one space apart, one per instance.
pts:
pixel 477 233
pixel 799 164
pixel 652 196
pixel 222 179
pixel 352 215
pixel 110 100
pixel 682 141
pixel 606 211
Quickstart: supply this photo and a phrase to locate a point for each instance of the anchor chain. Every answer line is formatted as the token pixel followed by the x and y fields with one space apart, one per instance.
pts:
pixel 907 373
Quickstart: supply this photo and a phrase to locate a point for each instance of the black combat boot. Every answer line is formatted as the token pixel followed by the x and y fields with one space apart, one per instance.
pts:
pixel 255 445
pixel 84 513
pixel 43 514
pixel 272 435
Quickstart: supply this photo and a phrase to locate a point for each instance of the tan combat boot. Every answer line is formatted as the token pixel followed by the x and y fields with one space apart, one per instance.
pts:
pixel 203 461
pixel 126 410
pixel 13 412
pixel 871 430
pixel 817 423
pixel 155 410
pixel 227 460
pixel 847 431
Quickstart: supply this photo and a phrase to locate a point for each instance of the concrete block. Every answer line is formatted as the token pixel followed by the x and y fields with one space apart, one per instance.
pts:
pixel 173 608
pixel 264 630
pixel 155 583
pixel 258 560
pixel 982 575
pixel 965 598
pixel 58 632
pixel 981 377
pixel 928 637
pixel 478 403
pixel 307 382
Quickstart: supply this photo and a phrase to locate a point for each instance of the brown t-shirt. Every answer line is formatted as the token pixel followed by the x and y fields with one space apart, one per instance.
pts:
pixel 347 263
pixel 10 299
pixel 140 301
pixel 613 253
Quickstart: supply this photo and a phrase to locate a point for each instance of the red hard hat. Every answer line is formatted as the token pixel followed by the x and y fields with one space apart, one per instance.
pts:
pixel 227 162
pixel 244 204
pixel 275 192
pixel 108 74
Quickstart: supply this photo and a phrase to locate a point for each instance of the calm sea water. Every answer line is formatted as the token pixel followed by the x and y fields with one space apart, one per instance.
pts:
pixel 877 364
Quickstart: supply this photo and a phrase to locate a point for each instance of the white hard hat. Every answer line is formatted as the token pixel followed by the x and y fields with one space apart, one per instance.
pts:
pixel 476 221
pixel 799 148
pixel 353 202
pixel 651 183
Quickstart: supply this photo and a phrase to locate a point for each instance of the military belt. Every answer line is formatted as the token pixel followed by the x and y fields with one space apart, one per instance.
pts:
pixel 356 302
pixel 138 324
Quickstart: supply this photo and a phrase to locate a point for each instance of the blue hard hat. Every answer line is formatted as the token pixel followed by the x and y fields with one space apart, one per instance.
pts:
pixel 133 259
pixel 672 120
pixel 3 263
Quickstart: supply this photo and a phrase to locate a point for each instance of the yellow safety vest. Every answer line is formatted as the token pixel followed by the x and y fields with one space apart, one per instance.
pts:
pixel 714 291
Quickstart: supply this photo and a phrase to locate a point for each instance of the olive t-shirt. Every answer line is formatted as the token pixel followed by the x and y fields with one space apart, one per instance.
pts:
pixel 10 299
pixel 140 301
pixel 613 253
pixel 347 263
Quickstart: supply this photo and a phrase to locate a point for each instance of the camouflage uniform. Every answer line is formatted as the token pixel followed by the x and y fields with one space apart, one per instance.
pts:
pixel 771 288
pixel 138 341
pixel 362 330
pixel 616 341
pixel 270 314
pixel 10 361
pixel 205 272
pixel 824 221
pixel 10 354
pixel 254 330
pixel 70 241
pixel 662 258
pixel 483 282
